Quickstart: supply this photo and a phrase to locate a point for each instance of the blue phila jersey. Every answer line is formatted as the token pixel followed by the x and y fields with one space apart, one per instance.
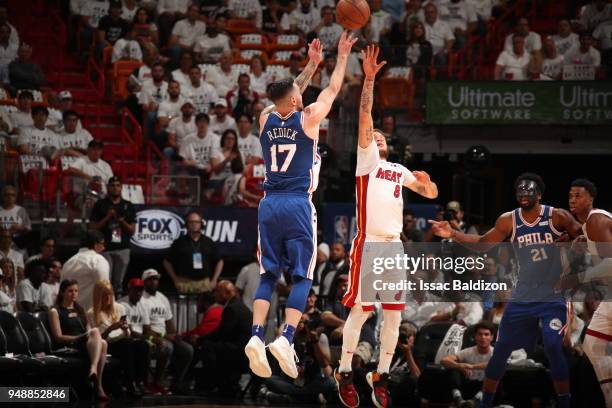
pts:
pixel 539 258
pixel 292 159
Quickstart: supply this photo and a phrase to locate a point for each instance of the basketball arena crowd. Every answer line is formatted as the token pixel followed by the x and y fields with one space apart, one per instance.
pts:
pixel 196 89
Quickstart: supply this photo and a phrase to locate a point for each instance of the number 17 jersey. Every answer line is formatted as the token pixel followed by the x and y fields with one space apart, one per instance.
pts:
pixel 291 157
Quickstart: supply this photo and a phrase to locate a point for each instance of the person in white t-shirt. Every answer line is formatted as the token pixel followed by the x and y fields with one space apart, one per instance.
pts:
pixel 259 78
pixel 552 63
pixel 28 290
pixel 603 35
pixel 439 34
pixel 533 41
pixel 181 74
pixel 90 170
pixel 38 139
pixel 223 77
pixel 178 130
pixel 304 18
pixel 248 144
pixel 565 38
pixel 162 332
pixel 200 92
pixel 50 287
pixel 197 149
pixel 245 9
pixel 327 30
pixel 155 90
pixel 13 217
pixel 185 32
pixel 380 22
pixel 7 252
pixel 512 65
pixel 73 141
pixel 209 47
pixel 583 54
pixel 22 117
pixel 594 14
pixel 462 19
pixel 221 121
pixel 467 366
pixel 127 48
pixel 170 108
pixel 137 314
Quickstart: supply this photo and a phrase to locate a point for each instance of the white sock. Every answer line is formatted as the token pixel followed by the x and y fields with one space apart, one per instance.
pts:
pixel 350 336
pixel 388 338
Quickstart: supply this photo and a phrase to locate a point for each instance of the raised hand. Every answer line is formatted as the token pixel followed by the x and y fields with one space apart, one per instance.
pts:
pixel 347 40
pixel 370 67
pixel 441 229
pixel 315 51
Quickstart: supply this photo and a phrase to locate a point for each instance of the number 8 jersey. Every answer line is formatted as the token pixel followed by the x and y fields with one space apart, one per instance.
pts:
pixel 379 194
pixel 291 157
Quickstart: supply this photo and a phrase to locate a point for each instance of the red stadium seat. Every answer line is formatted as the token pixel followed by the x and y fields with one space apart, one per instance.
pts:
pixel 121 73
pixel 395 93
pixel 241 26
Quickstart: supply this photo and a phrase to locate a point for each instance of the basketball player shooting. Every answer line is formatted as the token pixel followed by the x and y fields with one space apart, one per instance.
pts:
pixel 379 219
pixel 597 229
pixel 287 217
pixel 533 228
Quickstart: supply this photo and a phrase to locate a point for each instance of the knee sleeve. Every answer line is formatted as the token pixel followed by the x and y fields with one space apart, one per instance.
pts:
pixel 267 283
pixel 299 293
pixel 352 328
pixel 497 364
pixel 559 370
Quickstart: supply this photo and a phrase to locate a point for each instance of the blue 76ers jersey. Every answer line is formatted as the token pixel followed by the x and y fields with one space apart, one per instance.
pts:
pixel 539 258
pixel 291 158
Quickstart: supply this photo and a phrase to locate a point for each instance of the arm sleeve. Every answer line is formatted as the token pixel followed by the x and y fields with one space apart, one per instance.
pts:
pixel 408 177
pixel 367 159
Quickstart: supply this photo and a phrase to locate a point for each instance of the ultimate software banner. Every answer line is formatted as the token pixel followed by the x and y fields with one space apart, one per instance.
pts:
pixel 519 103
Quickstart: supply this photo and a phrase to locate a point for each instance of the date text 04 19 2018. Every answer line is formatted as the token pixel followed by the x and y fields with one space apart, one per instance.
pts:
pixel 34 394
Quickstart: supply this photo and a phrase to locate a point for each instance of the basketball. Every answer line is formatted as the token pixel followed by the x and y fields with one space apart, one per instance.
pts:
pixel 352 14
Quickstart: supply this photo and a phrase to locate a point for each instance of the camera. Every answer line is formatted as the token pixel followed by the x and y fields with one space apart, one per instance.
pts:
pixel 449 215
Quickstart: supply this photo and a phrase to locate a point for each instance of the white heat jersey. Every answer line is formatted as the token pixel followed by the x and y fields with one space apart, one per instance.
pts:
pixel 591 244
pixel 379 194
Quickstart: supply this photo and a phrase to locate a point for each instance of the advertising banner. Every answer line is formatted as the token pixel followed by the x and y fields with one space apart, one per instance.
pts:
pixel 519 103
pixel 234 229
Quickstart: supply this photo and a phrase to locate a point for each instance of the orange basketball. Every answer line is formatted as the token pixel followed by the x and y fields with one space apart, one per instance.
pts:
pixel 352 14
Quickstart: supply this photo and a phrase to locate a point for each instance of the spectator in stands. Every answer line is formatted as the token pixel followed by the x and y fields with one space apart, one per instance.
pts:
pixel 533 41
pixel 200 92
pixel 7 252
pixel 186 32
pixel 295 64
pixel 565 38
pixel 245 9
pixel 90 171
pixel 379 24
pixel 60 103
pixel 28 289
pixel 583 54
pixel 87 267
pixel 259 78
pixel 594 14
pixel 50 287
pixel 213 44
pixel 221 121
pixel 221 352
pixel 419 51
pixel 135 310
pixel 458 218
pixel 47 250
pixel 8 52
pixel 603 35
pixel 22 117
pixel 247 281
pixel 320 266
pixel 197 149
pixel 315 370
pixel 327 30
pixel 38 139
pixel 512 65
pixel 225 163
pixel 483 9
pixel 145 28
pixel 304 18
pixel 179 128
pixel 439 34
pixel 274 20
pixel 421 305
pixel 211 318
pixel 111 27
pixel 169 12
pixel 181 74
pixel 248 143
pixel 25 74
pixel 129 9
pixel 69 327
pixel 91 13
pixel 167 346
pixel 116 219
pixel 155 90
pixel 462 20
pixel 14 217
pixel 410 232
pixel 110 319
pixel 552 63
pixel 192 262
pixel 241 99
pixel 14 36
pixel 127 48
pixel 336 266
pixel 7 287
pixel 465 312
pixel 73 141
pixel 171 107
pixel 322 77
pixel 467 367
pixel 404 371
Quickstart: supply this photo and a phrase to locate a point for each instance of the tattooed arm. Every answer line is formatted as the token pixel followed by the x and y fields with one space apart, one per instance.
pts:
pixel 370 69
pixel 315 56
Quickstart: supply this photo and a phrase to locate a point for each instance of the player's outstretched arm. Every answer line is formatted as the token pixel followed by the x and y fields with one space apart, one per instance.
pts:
pixel 423 185
pixel 315 56
pixel 565 221
pixel 370 69
pixel 318 110
pixel 497 234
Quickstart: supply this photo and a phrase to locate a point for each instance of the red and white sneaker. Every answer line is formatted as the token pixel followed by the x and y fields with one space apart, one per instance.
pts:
pixel 346 390
pixel 378 382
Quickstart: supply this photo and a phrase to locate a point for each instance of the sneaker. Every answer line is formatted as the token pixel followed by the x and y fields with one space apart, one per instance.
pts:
pixel 346 390
pixel 285 354
pixel 378 383
pixel 255 350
